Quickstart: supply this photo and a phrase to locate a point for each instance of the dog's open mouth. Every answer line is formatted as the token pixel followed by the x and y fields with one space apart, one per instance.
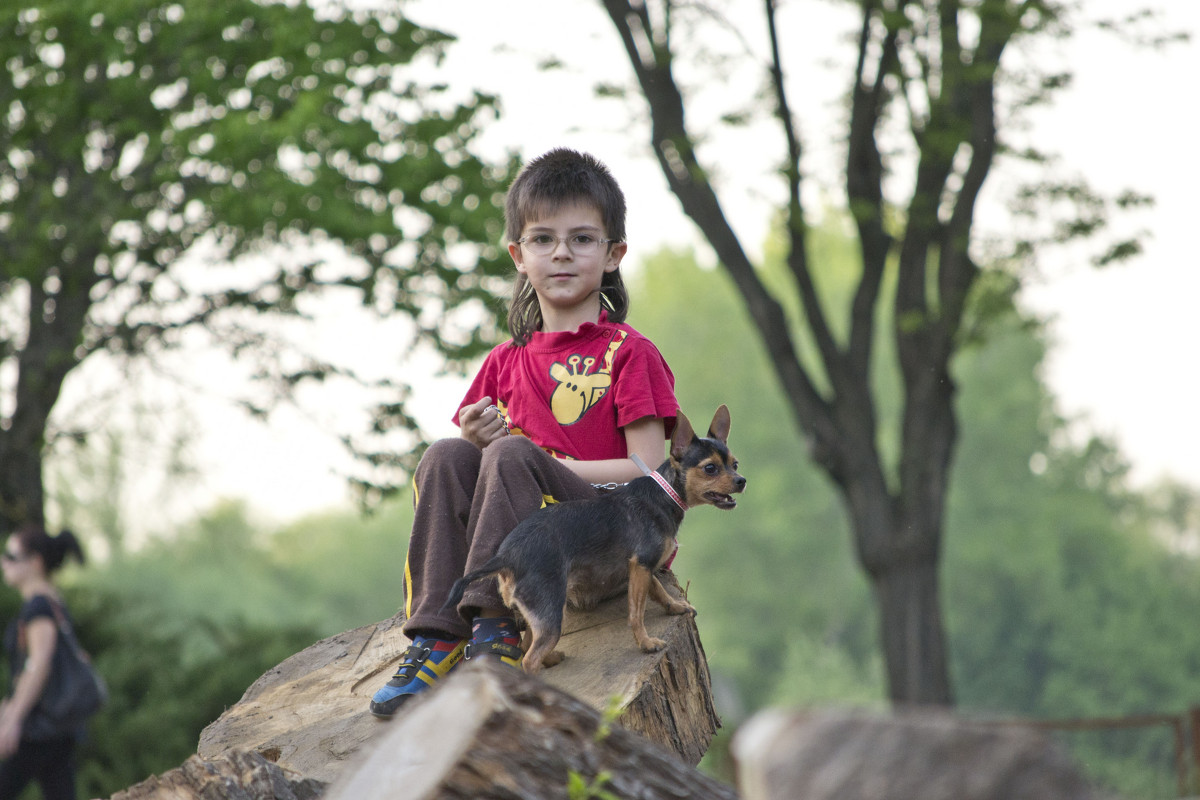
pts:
pixel 719 500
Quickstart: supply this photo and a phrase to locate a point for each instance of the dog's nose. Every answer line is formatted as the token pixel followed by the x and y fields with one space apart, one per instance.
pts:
pixel 740 483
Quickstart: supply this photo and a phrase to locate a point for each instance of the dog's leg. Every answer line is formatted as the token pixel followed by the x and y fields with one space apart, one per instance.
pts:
pixel 545 636
pixel 555 656
pixel 664 598
pixel 640 579
pixel 543 628
pixel 526 639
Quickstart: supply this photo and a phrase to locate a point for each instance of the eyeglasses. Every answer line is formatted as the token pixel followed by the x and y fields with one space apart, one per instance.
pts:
pixel 580 244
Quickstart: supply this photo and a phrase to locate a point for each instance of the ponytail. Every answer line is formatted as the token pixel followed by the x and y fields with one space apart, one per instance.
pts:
pixel 54 550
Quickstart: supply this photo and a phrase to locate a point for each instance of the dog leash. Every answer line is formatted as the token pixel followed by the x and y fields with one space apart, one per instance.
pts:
pixel 659 479
pixel 500 414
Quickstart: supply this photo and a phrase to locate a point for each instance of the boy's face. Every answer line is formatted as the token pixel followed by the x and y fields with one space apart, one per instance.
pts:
pixel 566 281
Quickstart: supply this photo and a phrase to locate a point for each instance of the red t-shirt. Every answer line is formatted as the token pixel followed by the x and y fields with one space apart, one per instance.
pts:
pixel 571 393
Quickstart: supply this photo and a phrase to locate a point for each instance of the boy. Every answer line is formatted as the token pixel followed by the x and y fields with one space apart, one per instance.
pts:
pixel 551 413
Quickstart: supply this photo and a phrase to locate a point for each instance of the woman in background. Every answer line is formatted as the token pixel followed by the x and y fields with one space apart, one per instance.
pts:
pixel 29 560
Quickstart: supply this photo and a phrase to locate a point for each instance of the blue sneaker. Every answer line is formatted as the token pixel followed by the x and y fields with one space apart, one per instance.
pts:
pixel 424 663
pixel 496 637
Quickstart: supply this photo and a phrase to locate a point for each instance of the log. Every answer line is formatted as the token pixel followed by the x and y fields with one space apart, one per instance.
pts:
pixel 236 775
pixel 493 733
pixel 913 755
pixel 309 713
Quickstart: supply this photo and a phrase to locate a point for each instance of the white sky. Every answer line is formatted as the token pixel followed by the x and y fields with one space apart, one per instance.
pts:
pixel 1125 336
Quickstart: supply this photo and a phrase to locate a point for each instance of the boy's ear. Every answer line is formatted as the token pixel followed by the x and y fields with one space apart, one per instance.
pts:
pixel 615 254
pixel 682 437
pixel 719 429
pixel 514 250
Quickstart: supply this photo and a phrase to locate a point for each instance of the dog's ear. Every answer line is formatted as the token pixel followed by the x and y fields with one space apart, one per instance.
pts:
pixel 719 429
pixel 682 437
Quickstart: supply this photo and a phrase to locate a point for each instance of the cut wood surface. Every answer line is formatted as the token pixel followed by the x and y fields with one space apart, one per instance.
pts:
pixel 309 713
pixel 514 737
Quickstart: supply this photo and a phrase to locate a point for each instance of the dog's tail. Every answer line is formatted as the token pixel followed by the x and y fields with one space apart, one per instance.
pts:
pixel 460 586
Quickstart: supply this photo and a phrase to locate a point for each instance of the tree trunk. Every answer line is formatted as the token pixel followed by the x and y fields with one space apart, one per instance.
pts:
pixel 916 755
pixel 492 733
pixel 55 332
pixel 21 492
pixel 911 633
pixel 309 713
pixel 898 549
pixel 236 775
pixel 488 732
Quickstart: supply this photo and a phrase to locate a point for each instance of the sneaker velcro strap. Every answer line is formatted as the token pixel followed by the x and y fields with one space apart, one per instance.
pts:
pixel 493 648
pixel 411 661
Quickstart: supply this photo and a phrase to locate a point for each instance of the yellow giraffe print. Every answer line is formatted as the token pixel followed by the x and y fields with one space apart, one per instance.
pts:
pixel 578 387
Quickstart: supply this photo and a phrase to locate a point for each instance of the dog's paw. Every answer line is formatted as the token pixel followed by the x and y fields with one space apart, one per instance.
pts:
pixel 555 658
pixel 652 645
pixel 680 607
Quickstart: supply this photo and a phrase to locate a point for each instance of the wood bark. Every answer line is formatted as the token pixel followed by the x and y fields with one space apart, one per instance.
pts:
pixel 52 348
pixel 925 755
pixel 236 775
pixel 493 733
pixel 309 713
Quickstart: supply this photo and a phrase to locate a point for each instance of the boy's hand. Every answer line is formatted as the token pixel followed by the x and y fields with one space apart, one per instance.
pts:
pixel 481 424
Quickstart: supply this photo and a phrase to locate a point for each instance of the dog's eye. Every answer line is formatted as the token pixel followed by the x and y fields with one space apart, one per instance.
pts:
pixel 710 468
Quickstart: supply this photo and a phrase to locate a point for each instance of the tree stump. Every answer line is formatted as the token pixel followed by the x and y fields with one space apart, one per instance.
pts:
pixel 309 713
pixel 915 755
pixel 493 733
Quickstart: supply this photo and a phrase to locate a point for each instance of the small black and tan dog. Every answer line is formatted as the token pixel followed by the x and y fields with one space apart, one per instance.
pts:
pixel 584 551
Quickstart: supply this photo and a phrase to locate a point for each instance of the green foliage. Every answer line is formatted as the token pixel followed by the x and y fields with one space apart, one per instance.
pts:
pixel 165 686
pixel 346 570
pixel 611 712
pixel 1049 534
pixel 328 572
pixel 1063 599
pixel 183 165
pixel 912 176
pixel 579 788
pixel 181 628
pixel 243 120
pixel 778 569
pixel 167 678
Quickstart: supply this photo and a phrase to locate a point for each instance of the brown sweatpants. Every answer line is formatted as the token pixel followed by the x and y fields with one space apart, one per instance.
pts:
pixel 466 501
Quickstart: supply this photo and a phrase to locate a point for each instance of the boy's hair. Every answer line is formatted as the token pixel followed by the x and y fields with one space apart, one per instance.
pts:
pixel 553 180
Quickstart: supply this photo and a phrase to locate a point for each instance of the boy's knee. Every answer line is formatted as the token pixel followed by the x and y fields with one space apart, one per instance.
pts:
pixel 448 454
pixel 509 449
pixel 452 449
